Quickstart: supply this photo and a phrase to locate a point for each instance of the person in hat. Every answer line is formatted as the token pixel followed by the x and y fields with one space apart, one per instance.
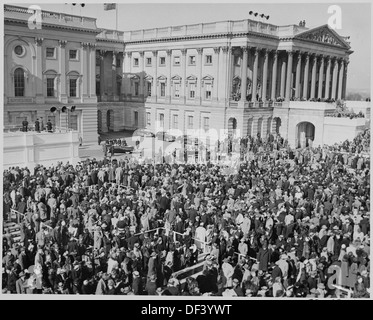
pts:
pixel 151 286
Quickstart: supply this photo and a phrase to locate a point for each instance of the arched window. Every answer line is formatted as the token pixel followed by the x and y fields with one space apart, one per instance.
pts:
pixel 19 82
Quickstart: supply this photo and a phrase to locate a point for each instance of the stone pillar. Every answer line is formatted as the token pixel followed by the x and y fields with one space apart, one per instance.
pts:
pixel 215 91
pixel 62 71
pixel 345 79
pixel 124 75
pixel 255 74
pixel 84 70
pixel 224 72
pixel 244 74
pixel 334 79
pixel 39 70
pixel 168 95
pixel 274 75
pixel 288 76
pixel 340 82
pixel 265 75
pixel 199 80
pixel 305 80
pixel 313 77
pixel 321 77
pixel 283 78
pixel 142 71
pixel 184 80
pixel 102 74
pixel 230 72
pixel 327 80
pixel 92 70
pixel 155 80
pixel 297 76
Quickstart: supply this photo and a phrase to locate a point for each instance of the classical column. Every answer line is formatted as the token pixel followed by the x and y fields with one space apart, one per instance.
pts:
pixel 255 74
pixel 224 92
pixel 62 71
pixel 39 70
pixel 84 70
pixel 244 73
pixel 168 96
pixel 288 76
pixel 334 79
pixel 305 80
pixel 327 80
pixel 113 74
pixel 313 76
pixel 124 75
pixel 199 80
pixel 346 62
pixel 283 77
pixel 321 77
pixel 297 75
pixel 155 80
pixel 274 75
pixel 102 74
pixel 216 76
pixel 142 71
pixel 92 70
pixel 184 80
pixel 265 75
pixel 340 82
pixel 230 71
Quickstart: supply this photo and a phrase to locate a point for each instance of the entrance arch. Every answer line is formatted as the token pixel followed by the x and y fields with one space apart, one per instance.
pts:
pixel 305 134
pixel 232 126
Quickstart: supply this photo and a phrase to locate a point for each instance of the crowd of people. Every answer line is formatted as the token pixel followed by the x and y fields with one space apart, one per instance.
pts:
pixel 287 223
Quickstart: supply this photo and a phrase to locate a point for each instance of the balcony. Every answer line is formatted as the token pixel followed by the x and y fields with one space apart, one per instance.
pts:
pixel 251 104
pixel 20 100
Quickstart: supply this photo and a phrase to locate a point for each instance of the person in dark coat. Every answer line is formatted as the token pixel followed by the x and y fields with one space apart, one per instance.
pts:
pixel 263 257
pixel 24 125
pixel 37 125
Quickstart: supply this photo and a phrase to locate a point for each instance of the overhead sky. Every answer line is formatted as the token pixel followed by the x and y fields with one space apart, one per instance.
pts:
pixel 355 21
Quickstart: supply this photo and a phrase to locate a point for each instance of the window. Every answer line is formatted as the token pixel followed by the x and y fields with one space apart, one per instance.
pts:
pixel 73 54
pixel 175 121
pixel 163 89
pixel 206 123
pixel 72 87
pixel 192 90
pixel 50 53
pixel 136 118
pixel 192 60
pixel 149 88
pixel 176 61
pixel 50 87
pixel 136 88
pixel 208 92
pixel 118 62
pixel 190 122
pixel 162 61
pixel 19 50
pixel 208 59
pixel 19 82
pixel 161 120
pixel 148 117
pixel 148 62
pixel 135 62
pixel 119 86
pixel 177 90
pixel 73 122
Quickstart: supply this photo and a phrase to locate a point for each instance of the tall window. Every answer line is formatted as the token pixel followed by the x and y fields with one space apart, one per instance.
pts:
pixel 50 53
pixel 161 120
pixel 73 122
pixel 208 92
pixel 208 59
pixel 192 60
pixel 206 123
pixel 73 87
pixel 190 122
pixel 73 54
pixel 175 121
pixel 163 89
pixel 192 90
pixel 176 60
pixel 149 88
pixel 50 87
pixel 148 117
pixel 136 118
pixel 176 89
pixel 162 61
pixel 19 82
pixel 136 88
pixel 136 62
pixel 148 62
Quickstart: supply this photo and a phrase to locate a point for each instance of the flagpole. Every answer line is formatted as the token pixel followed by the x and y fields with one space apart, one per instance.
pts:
pixel 116 16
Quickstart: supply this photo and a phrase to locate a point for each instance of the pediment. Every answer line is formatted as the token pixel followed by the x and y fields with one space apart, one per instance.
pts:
pixel 162 77
pixel 208 78
pixel 148 77
pixel 192 77
pixel 176 78
pixel 323 34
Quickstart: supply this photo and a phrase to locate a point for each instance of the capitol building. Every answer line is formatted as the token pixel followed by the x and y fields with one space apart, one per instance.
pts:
pixel 246 77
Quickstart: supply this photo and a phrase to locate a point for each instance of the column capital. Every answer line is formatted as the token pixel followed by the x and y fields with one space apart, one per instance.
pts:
pixel 84 44
pixel 199 50
pixel 184 51
pixel 245 49
pixel 155 52
pixel 307 57
pixel 216 49
pixel 169 52
pixel 92 45
pixel 129 54
pixel 62 43
pixel 225 49
pixel 275 54
pixel 141 53
pixel 265 51
pixel 299 55
pixel 328 58
pixel 290 52
pixel 39 41
pixel 256 50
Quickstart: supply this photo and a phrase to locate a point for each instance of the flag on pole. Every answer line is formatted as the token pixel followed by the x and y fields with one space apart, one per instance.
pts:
pixel 110 6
